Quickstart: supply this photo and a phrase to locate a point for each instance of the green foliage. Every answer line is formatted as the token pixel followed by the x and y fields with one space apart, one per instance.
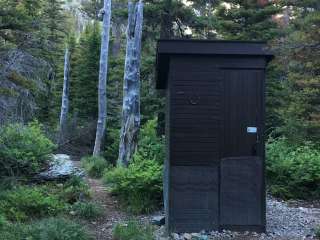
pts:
pixel 46 229
pixel 10 231
pixel 87 210
pixel 133 230
pixel 139 186
pixel 112 145
pixel 21 81
pixel 58 229
pixel 293 171
pixel 247 20
pixel 24 203
pixel 318 232
pixel 94 166
pixel 150 146
pixel 24 150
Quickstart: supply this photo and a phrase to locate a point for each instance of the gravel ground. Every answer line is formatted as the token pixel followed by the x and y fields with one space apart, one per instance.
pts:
pixel 284 222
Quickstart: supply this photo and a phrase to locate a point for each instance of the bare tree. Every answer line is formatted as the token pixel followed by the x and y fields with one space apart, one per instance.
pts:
pixel 131 86
pixel 102 88
pixel 65 97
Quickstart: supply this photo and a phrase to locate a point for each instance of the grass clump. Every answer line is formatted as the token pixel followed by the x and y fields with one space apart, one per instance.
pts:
pixel 87 210
pixel 94 166
pixel 293 171
pixel 133 230
pixel 25 203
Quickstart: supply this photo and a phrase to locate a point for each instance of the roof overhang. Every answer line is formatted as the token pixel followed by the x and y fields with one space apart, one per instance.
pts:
pixel 167 48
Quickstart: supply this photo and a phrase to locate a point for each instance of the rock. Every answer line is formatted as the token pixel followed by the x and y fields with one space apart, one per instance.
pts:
pixel 175 236
pixel 187 236
pixel 158 220
pixel 60 168
pixel 203 237
pixel 196 235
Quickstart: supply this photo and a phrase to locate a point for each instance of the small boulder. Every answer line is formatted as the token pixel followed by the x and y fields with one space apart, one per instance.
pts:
pixel 175 236
pixel 158 220
pixel 187 236
pixel 60 168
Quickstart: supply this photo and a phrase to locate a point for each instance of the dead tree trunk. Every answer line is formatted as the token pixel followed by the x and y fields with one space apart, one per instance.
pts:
pixel 65 98
pixel 131 86
pixel 102 88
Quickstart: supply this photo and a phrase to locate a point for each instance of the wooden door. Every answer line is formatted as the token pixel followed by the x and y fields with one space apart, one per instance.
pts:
pixel 241 175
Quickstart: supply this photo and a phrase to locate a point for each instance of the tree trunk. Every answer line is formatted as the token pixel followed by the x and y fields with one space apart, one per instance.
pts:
pixel 65 97
pixel 102 91
pixel 131 85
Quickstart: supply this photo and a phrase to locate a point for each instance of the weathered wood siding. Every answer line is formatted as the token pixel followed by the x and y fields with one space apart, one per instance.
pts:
pixel 215 167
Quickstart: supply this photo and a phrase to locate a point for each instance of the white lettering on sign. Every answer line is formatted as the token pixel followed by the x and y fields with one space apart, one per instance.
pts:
pixel 252 130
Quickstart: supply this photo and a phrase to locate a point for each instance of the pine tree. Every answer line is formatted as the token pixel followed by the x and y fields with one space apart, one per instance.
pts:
pixel 85 74
pixel 299 53
pixel 247 20
pixel 52 37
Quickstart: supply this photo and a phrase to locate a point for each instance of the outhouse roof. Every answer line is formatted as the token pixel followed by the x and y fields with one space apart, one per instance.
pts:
pixel 167 48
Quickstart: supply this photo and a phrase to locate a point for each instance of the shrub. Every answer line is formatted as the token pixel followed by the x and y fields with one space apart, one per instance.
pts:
pixel 112 145
pixel 318 232
pixel 94 166
pixel 293 171
pixel 24 203
pixel 87 210
pixel 150 147
pixel 139 186
pixel 14 231
pixel 24 150
pixel 133 231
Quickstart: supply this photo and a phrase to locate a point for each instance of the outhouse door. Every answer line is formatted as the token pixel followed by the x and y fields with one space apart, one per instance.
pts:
pixel 216 155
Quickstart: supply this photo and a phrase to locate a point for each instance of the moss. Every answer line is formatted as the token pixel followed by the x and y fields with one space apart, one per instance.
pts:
pixel 8 92
pixel 21 81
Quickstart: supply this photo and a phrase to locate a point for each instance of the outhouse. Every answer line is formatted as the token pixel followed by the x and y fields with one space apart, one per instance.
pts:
pixel 215 111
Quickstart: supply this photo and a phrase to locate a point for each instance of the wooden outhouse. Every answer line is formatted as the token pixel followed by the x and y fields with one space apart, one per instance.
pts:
pixel 215 111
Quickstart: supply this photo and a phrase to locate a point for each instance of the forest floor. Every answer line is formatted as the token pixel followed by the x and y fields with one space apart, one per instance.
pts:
pixel 102 227
pixel 293 220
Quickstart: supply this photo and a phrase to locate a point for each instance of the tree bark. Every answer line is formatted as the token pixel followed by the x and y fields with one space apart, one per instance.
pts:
pixel 102 91
pixel 131 86
pixel 65 97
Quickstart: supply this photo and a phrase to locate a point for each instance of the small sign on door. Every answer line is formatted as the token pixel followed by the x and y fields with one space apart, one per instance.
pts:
pixel 252 129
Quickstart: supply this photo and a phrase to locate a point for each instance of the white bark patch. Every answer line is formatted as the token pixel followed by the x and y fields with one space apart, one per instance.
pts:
pixel 131 86
pixel 65 97
pixel 102 89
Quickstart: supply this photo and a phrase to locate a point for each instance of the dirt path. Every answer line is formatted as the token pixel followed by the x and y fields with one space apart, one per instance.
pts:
pixel 102 227
pixel 112 214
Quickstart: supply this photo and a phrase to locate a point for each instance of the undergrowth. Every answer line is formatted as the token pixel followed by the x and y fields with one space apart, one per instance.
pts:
pixel 139 186
pixel 94 166
pixel 293 171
